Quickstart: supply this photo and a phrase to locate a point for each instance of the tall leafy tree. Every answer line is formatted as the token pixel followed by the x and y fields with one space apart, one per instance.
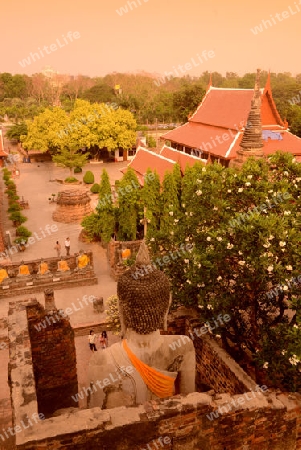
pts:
pixel 245 230
pixel 170 206
pixel 150 196
pixel 105 208
pixel 130 209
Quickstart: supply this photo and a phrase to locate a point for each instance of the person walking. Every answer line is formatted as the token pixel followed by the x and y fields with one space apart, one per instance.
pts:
pixel 58 248
pixel 103 340
pixel 91 339
pixel 67 246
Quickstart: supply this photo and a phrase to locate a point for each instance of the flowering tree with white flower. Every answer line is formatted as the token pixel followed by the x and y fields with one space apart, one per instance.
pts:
pixel 245 229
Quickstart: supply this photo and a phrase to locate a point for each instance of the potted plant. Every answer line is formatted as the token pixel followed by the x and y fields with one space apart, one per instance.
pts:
pixel 21 243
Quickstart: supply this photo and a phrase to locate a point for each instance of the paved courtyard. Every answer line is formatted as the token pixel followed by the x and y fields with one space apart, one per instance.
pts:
pixel 36 187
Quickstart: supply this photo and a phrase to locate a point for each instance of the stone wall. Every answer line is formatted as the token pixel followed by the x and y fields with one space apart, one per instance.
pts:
pixel 54 359
pixel 50 356
pixel 36 283
pixel 264 422
pixel 248 420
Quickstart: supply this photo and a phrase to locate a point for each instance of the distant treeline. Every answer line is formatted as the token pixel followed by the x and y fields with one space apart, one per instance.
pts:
pixel 23 97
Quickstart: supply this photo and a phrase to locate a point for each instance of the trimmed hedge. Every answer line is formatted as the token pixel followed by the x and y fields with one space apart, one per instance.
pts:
pixel 88 177
pixel 95 188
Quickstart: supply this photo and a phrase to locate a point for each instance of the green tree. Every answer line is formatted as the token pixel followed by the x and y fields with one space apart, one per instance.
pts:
pixel 245 230
pixel 170 206
pixel 150 196
pixel 129 206
pixel 105 208
pixel 70 158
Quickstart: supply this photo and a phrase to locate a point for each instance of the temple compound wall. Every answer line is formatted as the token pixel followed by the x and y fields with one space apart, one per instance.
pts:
pixel 34 282
pixel 234 415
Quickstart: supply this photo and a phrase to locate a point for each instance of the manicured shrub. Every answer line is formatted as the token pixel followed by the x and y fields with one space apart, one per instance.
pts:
pixel 23 232
pixel 88 177
pixel 78 170
pixel 12 196
pixel 95 188
pixel 17 218
pixel 14 207
pixel 71 180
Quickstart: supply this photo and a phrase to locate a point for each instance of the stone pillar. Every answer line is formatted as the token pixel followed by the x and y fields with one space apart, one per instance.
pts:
pixel 49 300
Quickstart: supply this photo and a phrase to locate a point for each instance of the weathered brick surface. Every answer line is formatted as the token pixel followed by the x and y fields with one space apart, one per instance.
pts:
pixel 72 206
pixel 54 360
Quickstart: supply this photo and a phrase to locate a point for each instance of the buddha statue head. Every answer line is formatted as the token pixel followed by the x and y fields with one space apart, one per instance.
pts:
pixel 143 295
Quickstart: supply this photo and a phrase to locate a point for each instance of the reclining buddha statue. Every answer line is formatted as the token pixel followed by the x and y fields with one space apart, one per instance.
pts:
pixel 145 365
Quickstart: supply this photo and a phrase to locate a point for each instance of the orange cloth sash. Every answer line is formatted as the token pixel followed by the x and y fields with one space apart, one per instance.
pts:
pixel 23 270
pixel 63 266
pixel 83 261
pixel 43 268
pixel 126 253
pixel 159 384
pixel 3 275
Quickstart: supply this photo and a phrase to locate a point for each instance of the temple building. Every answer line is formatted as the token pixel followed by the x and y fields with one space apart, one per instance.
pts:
pixel 215 131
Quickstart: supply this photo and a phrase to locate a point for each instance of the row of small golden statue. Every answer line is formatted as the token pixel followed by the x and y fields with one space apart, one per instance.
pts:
pixel 82 262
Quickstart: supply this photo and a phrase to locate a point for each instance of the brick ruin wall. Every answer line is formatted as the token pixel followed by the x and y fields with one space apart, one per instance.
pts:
pixel 50 352
pixel 260 421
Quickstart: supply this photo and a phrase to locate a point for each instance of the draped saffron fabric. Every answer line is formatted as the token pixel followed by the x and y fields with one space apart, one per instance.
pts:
pixel 63 266
pixel 3 275
pixel 43 268
pixel 83 261
pixel 159 384
pixel 23 270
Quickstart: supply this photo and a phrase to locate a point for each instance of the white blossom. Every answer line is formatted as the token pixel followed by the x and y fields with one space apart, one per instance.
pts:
pixel 229 246
pixel 287 213
pixel 241 263
pixel 191 213
pixel 176 220
pixel 266 365
pixel 270 268
pixel 240 189
pixel 247 183
pixel 282 243
pixel 267 245
pixel 204 169
pixel 240 253
pixel 284 352
pixel 270 254
pixel 294 360
pixel 270 237
pixel 219 278
pixel 295 325
pixel 298 179
pixel 208 238
pixel 209 307
pixel 198 192
pixel 188 281
pixel 250 177
pixel 289 268
pixel 152 239
pixel 219 238
pixel 186 261
pixel 170 213
pixel 285 288
pixel 215 208
pixel 229 190
pixel 285 173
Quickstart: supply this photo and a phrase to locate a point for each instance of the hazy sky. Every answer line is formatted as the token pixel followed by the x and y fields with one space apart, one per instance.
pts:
pixel 156 36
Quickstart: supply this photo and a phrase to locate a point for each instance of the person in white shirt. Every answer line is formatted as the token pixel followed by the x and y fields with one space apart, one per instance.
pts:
pixel 67 246
pixel 91 339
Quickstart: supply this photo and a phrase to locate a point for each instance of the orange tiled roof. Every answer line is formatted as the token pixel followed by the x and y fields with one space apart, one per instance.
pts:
pixel 217 124
pixel 145 159
pixel 183 159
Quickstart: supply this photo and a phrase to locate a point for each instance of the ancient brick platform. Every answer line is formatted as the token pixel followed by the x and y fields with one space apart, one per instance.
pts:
pixel 72 206
pixel 34 282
